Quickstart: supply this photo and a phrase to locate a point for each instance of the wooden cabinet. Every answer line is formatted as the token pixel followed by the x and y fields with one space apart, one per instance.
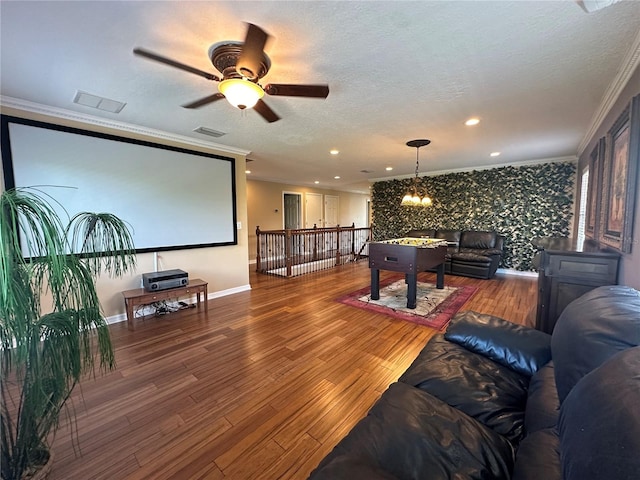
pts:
pixel 566 273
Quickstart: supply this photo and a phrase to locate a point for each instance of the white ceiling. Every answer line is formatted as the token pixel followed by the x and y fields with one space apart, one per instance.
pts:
pixel 537 74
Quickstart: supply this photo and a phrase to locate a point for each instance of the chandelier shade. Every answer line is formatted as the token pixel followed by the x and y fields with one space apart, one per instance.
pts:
pixel 241 93
pixel 413 198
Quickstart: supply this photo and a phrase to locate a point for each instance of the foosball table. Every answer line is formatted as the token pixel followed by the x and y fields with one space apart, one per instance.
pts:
pixel 409 256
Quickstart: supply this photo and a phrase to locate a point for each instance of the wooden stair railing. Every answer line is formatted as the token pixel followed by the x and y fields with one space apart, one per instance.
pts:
pixel 292 252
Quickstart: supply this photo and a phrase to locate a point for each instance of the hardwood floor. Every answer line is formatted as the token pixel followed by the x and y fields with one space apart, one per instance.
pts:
pixel 261 387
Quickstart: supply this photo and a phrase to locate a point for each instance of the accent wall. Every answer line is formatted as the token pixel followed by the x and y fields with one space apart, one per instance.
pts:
pixel 521 203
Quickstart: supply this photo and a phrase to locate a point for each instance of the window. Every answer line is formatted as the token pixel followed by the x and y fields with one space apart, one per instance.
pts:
pixel 582 214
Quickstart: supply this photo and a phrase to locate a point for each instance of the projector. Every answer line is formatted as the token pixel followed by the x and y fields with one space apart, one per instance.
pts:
pixel 155 281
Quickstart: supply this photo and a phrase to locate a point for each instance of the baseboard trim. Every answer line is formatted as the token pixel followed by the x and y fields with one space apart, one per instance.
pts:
pixel 520 273
pixel 505 271
pixel 122 317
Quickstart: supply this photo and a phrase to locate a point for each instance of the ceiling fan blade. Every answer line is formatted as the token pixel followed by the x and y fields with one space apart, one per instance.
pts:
pixel 315 91
pixel 250 59
pixel 266 112
pixel 204 101
pixel 172 63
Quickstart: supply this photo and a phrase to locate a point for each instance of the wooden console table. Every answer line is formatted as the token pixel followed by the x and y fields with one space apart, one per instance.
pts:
pixel 139 296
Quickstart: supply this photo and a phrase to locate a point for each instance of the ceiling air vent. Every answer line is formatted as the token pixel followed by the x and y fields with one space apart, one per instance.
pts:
pixel 366 171
pixel 101 103
pixel 209 131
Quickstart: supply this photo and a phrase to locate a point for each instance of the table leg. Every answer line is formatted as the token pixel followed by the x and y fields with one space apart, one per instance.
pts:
pixel 375 284
pixel 440 277
pixel 206 298
pixel 412 289
pixel 129 308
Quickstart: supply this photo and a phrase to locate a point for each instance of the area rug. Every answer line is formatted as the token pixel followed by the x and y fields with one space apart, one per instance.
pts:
pixel 434 307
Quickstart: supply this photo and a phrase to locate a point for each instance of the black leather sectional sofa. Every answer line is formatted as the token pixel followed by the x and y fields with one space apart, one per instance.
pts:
pixel 471 253
pixel 493 400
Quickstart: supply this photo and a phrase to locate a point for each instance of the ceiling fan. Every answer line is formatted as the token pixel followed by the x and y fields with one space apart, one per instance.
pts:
pixel 242 65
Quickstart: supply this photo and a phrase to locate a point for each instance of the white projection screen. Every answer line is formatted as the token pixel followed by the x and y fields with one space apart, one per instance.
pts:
pixel 173 198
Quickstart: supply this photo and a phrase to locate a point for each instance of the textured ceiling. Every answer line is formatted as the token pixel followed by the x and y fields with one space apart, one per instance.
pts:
pixel 535 73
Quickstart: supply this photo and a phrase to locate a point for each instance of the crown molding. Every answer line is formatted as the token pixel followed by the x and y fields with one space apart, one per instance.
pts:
pixel 37 108
pixel 628 67
pixel 572 159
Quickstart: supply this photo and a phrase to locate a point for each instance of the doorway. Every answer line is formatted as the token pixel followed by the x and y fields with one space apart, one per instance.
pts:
pixel 331 210
pixel 313 210
pixel 292 210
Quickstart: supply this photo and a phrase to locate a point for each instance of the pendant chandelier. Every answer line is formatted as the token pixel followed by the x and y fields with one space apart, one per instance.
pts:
pixel 413 197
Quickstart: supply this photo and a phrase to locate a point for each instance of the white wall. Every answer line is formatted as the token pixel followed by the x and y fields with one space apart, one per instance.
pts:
pixel 224 268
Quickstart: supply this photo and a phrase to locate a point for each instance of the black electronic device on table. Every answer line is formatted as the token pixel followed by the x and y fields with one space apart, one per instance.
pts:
pixel 164 280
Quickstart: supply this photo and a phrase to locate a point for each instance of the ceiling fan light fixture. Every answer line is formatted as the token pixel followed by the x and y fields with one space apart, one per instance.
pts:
pixel 241 93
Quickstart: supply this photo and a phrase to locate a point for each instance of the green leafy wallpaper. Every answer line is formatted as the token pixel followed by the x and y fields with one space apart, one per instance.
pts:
pixel 520 203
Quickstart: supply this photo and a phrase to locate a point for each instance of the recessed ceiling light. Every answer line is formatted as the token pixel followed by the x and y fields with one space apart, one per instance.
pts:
pixel 388 169
pixel 247 171
pixel 334 152
pixel 472 121
pixel 317 182
pixel 337 177
pixel 494 154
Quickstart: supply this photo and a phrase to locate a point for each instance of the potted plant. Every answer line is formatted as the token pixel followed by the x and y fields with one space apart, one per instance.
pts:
pixel 52 331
